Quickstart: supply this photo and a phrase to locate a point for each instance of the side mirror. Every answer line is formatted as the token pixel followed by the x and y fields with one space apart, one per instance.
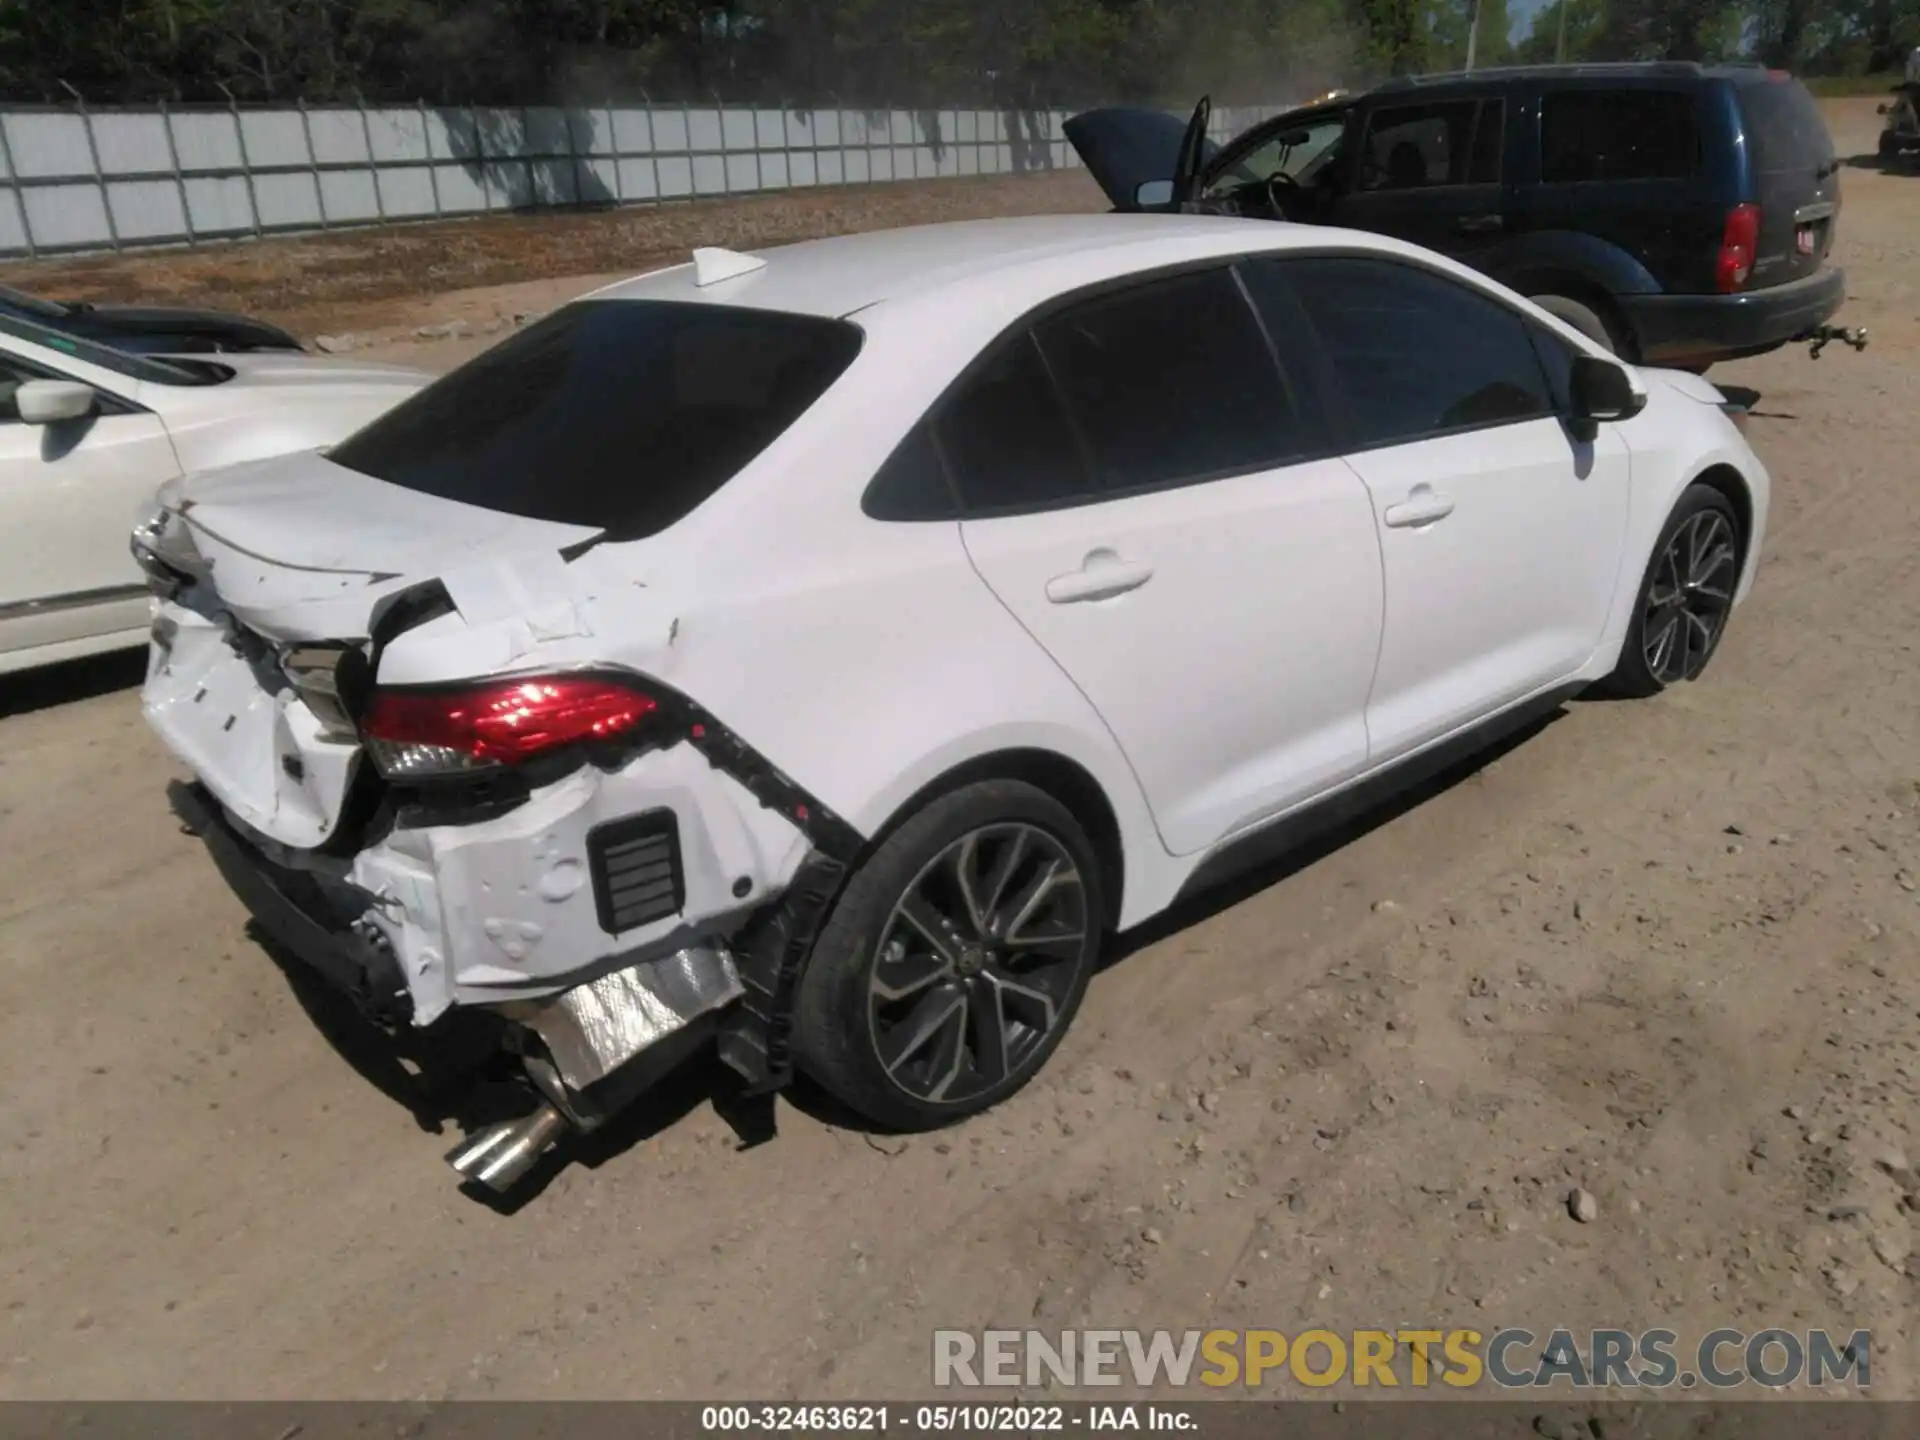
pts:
pixel 48 402
pixel 1153 193
pixel 1603 391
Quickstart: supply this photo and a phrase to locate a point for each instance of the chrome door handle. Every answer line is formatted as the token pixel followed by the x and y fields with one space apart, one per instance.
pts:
pixel 1100 577
pixel 1422 507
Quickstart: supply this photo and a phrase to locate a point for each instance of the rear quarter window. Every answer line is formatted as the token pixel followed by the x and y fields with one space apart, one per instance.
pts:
pixel 1784 127
pixel 1615 135
pixel 623 415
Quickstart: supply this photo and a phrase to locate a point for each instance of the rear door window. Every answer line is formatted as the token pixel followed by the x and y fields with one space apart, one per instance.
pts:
pixel 1007 438
pixel 623 415
pixel 1172 381
pixel 1413 354
pixel 1411 147
pixel 1489 143
pixel 1628 134
pixel 912 482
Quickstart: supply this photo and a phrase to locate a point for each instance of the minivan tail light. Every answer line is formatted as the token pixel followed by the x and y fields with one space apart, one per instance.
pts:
pixel 428 732
pixel 1739 245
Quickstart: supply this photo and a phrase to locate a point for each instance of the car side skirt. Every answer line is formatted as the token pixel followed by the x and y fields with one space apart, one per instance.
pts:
pixel 1254 849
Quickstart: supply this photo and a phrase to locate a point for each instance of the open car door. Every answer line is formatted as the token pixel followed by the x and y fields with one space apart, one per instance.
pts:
pixel 1144 159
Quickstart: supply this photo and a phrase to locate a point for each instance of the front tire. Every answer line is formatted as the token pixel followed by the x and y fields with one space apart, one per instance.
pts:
pixel 1685 598
pixel 954 959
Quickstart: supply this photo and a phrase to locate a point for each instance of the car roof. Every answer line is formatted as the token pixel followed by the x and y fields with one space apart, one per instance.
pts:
pixel 994 266
pixel 1611 70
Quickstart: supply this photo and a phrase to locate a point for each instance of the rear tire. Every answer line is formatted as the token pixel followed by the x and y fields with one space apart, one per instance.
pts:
pixel 1685 598
pixel 1582 317
pixel 954 959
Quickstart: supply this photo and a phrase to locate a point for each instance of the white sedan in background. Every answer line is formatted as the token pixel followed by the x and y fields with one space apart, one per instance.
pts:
pixel 821 652
pixel 89 433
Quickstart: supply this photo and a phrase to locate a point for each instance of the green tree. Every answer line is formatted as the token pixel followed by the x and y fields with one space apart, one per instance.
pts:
pixel 1452 22
pixel 1565 29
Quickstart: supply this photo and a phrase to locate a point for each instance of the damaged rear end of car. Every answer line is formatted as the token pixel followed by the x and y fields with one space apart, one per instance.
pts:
pixel 426 685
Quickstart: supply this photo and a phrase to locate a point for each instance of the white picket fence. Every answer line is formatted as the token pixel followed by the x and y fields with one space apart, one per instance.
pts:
pixel 78 178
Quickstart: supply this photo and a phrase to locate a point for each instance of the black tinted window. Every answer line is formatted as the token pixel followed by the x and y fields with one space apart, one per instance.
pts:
pixel 619 414
pixel 1414 353
pixel 1489 142
pixel 1171 381
pixel 912 484
pixel 1784 127
pixel 1007 438
pixel 1556 358
pixel 1618 135
pixel 1411 146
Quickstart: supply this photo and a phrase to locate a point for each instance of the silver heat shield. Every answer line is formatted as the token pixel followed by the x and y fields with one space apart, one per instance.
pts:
pixel 594 1029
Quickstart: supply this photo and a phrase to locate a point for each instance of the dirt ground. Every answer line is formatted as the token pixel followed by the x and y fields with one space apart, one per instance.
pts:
pixel 396 279
pixel 1662 951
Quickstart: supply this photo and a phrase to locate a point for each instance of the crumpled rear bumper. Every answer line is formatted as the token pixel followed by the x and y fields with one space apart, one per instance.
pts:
pixel 315 918
pixel 587 1032
pixel 476 899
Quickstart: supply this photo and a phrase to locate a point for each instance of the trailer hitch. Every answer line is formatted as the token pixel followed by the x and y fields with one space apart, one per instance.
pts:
pixel 1821 336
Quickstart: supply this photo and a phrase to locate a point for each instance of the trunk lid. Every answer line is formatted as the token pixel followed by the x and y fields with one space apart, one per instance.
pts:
pixel 1796 179
pixel 301 548
pixel 256 665
pixel 1126 146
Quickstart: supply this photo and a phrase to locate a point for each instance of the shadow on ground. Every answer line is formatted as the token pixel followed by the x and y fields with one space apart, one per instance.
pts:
pixel 455 1074
pixel 71 681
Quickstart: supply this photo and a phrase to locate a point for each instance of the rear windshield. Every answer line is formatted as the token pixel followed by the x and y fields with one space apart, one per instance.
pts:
pixel 1784 128
pixel 623 415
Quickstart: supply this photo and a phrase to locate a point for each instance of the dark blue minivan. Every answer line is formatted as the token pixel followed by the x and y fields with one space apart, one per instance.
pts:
pixel 1680 214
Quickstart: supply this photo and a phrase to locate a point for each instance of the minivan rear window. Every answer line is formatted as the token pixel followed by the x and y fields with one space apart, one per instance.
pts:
pixel 623 415
pixel 1784 128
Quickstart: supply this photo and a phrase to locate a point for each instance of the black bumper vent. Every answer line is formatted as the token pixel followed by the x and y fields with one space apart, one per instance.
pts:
pixel 635 864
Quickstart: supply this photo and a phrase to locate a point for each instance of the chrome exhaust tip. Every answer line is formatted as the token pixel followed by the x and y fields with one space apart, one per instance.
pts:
pixel 500 1155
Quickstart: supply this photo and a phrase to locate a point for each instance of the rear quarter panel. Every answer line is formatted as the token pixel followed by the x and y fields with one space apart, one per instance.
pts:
pixel 867 659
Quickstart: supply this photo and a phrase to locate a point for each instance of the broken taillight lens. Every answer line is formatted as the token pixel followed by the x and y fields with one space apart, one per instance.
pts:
pixel 428 732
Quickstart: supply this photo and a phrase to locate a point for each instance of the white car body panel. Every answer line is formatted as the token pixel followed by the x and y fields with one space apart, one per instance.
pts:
pixel 67 503
pixel 1220 615
pixel 69 494
pixel 1681 436
pixel 1528 559
pixel 869 660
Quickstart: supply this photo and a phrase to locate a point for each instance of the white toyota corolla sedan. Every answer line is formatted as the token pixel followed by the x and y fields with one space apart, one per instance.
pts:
pixel 817 653
pixel 88 434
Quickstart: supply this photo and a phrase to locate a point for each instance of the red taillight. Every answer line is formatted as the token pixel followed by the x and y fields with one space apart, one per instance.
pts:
pixel 1739 243
pixel 412 733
